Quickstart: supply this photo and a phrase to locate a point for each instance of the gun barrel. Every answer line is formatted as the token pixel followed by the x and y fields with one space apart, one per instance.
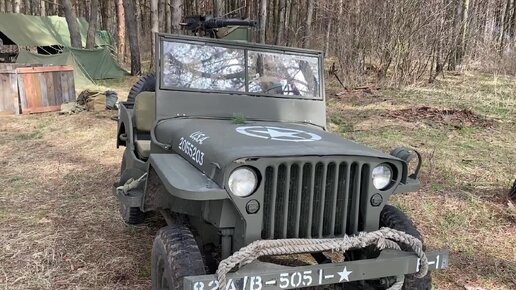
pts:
pixel 219 23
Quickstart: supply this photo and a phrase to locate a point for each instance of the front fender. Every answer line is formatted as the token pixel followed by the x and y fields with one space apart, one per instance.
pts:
pixel 179 179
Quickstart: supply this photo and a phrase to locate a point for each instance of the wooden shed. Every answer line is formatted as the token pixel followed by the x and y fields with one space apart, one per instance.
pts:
pixel 34 89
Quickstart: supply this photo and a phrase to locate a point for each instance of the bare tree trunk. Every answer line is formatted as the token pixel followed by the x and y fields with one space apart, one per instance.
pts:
pixel 73 26
pixel 43 8
pixel 177 15
pixel 505 26
pixel 247 13
pixel 263 20
pixel 154 28
pixel 281 19
pixel 120 30
pixel 105 8
pixel 132 31
pixel 27 7
pixel 452 62
pixel 161 15
pixel 92 28
pixel 154 18
pixel 168 18
pixel 292 27
pixel 274 23
pixel 464 30
pixel 55 7
pixel 16 6
pixel 339 18
pixel 513 22
pixel 308 26
pixel 327 40
pixel 218 8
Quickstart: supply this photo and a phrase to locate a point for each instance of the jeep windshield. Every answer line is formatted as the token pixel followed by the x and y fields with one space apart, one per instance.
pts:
pixel 203 66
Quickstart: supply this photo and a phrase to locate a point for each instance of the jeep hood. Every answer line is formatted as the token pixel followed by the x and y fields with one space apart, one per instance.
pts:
pixel 208 142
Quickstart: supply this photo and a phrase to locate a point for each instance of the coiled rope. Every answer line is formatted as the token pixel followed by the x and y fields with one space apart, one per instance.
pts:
pixel 384 238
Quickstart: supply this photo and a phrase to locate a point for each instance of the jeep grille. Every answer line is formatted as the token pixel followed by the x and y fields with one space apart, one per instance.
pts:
pixel 314 199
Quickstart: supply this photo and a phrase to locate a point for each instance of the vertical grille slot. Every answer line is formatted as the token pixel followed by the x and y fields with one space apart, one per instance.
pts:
pixel 364 188
pixel 314 199
pixel 294 196
pixel 306 190
pixel 353 199
pixel 318 199
pixel 268 213
pixel 330 200
pixel 281 200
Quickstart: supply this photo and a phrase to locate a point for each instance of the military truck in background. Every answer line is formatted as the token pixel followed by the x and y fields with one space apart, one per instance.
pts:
pixel 228 141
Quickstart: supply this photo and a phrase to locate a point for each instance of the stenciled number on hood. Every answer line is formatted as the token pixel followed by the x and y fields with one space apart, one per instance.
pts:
pixel 191 151
pixel 199 137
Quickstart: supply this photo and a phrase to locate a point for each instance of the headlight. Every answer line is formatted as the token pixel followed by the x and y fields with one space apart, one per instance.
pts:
pixel 243 181
pixel 382 176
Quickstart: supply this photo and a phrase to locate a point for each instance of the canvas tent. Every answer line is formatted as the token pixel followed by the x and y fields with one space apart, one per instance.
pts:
pixel 44 31
pixel 89 64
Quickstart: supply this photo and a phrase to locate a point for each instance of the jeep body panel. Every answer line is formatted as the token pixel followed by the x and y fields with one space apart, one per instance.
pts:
pixel 217 143
pixel 182 180
pixel 263 275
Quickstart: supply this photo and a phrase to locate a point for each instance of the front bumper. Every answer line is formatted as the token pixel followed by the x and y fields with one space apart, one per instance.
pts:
pixel 259 275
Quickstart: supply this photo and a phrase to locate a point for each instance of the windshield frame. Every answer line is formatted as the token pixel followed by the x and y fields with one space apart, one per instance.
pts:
pixel 246 47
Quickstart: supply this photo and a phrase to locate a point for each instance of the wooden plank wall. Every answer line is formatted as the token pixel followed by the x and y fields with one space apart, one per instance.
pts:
pixel 29 90
pixel 9 102
pixel 8 93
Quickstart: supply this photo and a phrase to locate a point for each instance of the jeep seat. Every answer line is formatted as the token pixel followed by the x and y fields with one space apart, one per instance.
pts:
pixel 144 116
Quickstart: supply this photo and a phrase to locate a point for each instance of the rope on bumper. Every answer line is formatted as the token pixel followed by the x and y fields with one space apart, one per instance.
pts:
pixel 384 238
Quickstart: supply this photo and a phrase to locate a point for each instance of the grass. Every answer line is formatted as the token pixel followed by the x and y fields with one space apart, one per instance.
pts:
pixel 466 173
pixel 60 225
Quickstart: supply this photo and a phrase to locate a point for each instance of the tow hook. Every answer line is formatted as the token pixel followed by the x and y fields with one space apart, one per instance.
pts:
pixel 131 184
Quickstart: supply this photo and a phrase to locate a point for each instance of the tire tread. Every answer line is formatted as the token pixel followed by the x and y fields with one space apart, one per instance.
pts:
pixel 182 252
pixel 146 83
pixel 394 218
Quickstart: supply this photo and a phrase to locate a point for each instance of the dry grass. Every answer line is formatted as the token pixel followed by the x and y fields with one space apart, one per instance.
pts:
pixel 59 221
pixel 467 171
pixel 61 230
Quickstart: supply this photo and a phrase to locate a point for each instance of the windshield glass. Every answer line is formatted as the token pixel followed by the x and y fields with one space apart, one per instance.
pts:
pixel 187 65
pixel 283 74
pixel 204 66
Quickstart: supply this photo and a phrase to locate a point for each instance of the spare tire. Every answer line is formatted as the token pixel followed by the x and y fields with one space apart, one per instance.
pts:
pixel 146 83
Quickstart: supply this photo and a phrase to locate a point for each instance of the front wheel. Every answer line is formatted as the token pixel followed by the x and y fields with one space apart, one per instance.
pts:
pixel 175 255
pixel 394 218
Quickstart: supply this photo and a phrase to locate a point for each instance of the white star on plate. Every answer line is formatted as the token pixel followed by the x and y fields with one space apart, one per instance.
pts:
pixel 344 275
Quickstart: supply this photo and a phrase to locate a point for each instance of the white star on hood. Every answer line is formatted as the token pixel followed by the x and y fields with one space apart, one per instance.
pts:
pixel 344 275
pixel 276 133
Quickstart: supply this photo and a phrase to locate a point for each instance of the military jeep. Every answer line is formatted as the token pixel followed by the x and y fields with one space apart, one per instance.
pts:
pixel 228 142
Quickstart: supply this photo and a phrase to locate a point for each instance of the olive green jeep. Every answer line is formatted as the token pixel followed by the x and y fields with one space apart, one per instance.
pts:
pixel 227 140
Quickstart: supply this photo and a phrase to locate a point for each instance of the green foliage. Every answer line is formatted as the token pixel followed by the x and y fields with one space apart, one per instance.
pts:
pixel 29 136
pixel 238 118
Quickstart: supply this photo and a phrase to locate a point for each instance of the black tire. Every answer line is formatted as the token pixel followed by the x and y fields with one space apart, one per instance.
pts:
pixel 130 215
pixel 146 83
pixel 175 255
pixel 394 218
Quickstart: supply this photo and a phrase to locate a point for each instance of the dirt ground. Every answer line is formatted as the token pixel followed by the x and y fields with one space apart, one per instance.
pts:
pixel 60 227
